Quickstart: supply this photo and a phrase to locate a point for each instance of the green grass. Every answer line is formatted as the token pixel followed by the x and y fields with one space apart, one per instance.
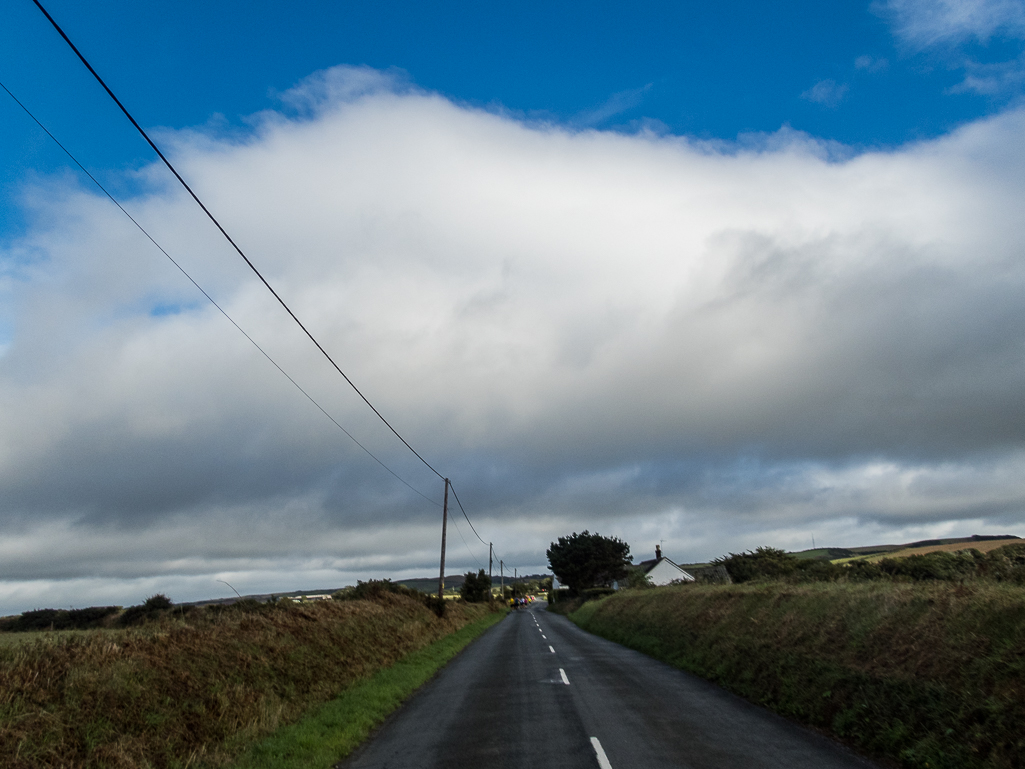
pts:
pixel 931 675
pixel 203 687
pixel 334 730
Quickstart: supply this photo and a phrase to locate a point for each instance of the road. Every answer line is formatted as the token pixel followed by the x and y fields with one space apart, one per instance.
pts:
pixel 537 692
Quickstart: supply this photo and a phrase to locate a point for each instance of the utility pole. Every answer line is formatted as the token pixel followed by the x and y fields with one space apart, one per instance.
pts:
pixel 491 558
pixel 501 570
pixel 444 530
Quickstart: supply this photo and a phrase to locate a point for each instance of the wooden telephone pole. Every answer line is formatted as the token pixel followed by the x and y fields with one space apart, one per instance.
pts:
pixel 444 531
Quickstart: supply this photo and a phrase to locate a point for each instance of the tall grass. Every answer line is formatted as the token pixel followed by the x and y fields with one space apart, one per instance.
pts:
pixel 931 674
pixel 332 731
pixel 200 688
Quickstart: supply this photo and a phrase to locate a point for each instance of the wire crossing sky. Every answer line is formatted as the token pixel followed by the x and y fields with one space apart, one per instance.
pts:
pixel 719 276
pixel 234 245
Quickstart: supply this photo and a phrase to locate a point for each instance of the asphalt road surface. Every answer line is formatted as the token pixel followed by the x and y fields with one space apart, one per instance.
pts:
pixel 537 692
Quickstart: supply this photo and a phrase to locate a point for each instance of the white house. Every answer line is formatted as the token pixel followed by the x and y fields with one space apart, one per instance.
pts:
pixel 661 571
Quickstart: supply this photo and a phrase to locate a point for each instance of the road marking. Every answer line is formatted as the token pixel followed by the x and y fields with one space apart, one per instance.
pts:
pixel 562 673
pixel 603 760
pixel 544 636
pixel 552 649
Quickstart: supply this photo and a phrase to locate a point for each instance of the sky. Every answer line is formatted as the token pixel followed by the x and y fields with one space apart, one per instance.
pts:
pixel 713 276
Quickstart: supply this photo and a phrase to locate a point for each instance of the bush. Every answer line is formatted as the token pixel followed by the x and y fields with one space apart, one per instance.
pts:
pixel 375 589
pixel 152 608
pixel 59 619
pixel 1006 564
pixel 951 567
pixel 476 588
pixel 637 579
pixel 763 563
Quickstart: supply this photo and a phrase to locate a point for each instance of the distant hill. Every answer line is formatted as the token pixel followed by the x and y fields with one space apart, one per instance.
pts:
pixel 836 553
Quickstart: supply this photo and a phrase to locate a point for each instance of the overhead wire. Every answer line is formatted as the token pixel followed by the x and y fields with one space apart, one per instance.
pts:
pixel 252 267
pixel 465 515
pixel 210 298
pixel 224 232
pixel 466 545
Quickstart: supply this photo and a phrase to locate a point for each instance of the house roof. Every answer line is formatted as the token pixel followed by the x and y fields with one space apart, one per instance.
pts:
pixel 647 566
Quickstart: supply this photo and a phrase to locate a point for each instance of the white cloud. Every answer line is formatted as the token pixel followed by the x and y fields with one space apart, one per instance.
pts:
pixel 871 63
pixel 925 23
pixel 829 93
pixel 993 79
pixel 723 346
pixel 616 104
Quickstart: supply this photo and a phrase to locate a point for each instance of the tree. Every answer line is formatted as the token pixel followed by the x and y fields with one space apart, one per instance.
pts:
pixel 588 560
pixel 476 587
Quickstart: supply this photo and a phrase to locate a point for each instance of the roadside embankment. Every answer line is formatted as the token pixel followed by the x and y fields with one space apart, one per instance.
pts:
pixel 200 689
pixel 930 674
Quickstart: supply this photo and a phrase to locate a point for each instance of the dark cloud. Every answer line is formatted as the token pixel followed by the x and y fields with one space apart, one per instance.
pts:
pixel 717 347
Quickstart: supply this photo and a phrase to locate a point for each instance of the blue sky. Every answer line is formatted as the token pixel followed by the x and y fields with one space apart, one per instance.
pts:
pixel 704 70
pixel 713 275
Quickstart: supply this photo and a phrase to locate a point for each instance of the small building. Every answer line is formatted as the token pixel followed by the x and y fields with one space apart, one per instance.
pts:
pixel 662 571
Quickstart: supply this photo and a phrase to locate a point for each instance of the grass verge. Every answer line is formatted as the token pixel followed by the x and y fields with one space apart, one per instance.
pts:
pixel 334 730
pixel 929 674
pixel 202 687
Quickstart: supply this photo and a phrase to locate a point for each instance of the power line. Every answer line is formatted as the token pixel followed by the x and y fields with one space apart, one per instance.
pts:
pixel 210 298
pixel 224 232
pixel 254 269
pixel 464 512
pixel 466 545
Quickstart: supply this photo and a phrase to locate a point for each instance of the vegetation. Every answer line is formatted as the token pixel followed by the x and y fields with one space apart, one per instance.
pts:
pixel 1005 564
pixel 196 688
pixel 586 560
pixel 332 731
pixel 476 588
pixel 927 671
pixel 59 619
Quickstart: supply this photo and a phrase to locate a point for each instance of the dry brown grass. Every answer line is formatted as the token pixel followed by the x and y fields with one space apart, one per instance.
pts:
pixel 983 546
pixel 199 688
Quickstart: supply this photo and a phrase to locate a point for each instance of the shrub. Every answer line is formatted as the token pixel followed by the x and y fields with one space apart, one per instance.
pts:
pixel 763 563
pixel 374 589
pixel 59 619
pixel 476 588
pixel 637 579
pixel 957 566
pixel 152 608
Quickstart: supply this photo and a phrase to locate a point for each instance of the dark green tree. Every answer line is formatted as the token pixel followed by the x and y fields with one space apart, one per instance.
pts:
pixel 476 587
pixel 588 560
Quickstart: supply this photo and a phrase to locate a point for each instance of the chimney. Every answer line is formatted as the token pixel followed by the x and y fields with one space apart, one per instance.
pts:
pixel 658 552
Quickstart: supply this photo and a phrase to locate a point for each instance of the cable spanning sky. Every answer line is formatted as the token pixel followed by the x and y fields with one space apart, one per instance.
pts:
pixel 720 276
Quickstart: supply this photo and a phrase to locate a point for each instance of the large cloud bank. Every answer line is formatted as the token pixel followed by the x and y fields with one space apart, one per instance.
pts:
pixel 717 345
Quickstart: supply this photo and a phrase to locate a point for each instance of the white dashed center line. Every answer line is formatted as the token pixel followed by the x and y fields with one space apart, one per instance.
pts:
pixel 562 673
pixel 599 751
pixel 551 649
